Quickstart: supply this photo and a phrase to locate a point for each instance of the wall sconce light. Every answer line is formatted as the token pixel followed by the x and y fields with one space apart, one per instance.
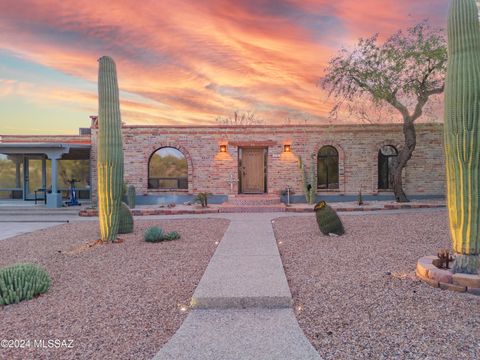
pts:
pixel 287 148
pixel 223 148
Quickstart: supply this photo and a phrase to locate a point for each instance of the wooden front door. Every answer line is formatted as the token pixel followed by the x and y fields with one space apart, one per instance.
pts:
pixel 252 170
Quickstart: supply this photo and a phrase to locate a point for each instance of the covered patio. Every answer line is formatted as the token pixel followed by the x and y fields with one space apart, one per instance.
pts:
pixel 41 172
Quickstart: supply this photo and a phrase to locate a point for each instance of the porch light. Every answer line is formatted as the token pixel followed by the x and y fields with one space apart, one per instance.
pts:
pixel 223 148
pixel 287 148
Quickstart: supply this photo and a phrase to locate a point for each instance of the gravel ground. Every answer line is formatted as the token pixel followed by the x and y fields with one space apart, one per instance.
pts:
pixel 350 308
pixel 115 301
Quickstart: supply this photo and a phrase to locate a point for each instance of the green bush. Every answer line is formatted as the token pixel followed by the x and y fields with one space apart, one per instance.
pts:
pixel 156 234
pixel 22 282
pixel 172 236
pixel 328 220
pixel 202 198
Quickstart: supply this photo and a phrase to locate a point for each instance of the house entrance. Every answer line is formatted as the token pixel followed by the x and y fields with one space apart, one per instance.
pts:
pixel 252 168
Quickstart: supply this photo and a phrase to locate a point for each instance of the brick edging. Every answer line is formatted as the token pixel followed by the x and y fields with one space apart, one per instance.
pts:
pixel 385 207
pixel 427 272
pixel 147 212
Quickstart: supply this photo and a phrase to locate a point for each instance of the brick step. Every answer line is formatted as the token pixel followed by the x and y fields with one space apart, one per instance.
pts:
pixel 227 208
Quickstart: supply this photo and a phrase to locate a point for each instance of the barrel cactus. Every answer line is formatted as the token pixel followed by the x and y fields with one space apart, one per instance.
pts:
pixel 462 134
pixel 125 225
pixel 22 282
pixel 153 234
pixel 109 151
pixel 328 220
pixel 131 196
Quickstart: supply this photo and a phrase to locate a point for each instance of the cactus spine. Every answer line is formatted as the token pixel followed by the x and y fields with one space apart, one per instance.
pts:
pixel 131 196
pixel 462 133
pixel 110 150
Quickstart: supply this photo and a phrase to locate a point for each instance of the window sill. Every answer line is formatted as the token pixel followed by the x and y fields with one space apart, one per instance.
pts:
pixel 167 190
pixel 319 191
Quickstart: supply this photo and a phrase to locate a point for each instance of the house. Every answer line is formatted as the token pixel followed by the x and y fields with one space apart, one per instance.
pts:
pixel 172 163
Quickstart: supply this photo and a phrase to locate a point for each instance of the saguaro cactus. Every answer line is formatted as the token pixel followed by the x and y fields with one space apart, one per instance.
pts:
pixel 110 150
pixel 462 133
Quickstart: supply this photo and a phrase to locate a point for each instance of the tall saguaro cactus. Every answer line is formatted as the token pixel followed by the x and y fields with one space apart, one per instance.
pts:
pixel 110 150
pixel 462 133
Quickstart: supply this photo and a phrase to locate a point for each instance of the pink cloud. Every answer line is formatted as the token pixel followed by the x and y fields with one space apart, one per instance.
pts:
pixel 191 61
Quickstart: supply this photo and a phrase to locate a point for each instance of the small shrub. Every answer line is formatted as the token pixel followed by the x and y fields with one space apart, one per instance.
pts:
pixel 202 198
pixel 328 220
pixel 360 198
pixel 153 234
pixel 156 234
pixel 172 236
pixel 22 282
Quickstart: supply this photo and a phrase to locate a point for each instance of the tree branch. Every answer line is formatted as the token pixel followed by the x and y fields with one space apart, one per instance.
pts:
pixel 436 91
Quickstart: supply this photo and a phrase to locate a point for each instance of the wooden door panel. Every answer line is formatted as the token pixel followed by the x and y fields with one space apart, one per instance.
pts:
pixel 253 170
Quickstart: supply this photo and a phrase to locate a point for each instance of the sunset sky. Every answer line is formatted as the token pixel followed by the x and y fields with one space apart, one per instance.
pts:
pixel 181 62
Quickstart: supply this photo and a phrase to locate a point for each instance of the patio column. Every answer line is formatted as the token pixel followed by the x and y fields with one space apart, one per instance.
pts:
pixel 18 182
pixel 54 199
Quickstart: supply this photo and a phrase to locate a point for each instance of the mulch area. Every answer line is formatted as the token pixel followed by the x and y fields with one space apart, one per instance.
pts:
pixel 357 296
pixel 115 301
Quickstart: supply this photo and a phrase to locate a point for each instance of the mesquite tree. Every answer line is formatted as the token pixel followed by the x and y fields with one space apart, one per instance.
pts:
pixel 401 73
pixel 462 134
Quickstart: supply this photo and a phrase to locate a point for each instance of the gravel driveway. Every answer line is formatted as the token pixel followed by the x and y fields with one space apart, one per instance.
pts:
pixel 115 301
pixel 356 296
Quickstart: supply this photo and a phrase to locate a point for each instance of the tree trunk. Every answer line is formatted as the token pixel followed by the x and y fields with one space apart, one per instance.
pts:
pixel 403 156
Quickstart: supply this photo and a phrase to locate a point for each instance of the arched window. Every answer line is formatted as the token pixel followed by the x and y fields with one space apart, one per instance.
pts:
pixel 327 166
pixel 168 169
pixel 387 156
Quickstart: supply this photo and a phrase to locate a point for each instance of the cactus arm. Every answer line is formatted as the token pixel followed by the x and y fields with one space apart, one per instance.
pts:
pixel 462 134
pixel 110 150
pixel 313 179
pixel 131 193
pixel 301 166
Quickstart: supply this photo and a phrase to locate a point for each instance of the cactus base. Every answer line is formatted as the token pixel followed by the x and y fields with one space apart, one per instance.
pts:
pixel 466 264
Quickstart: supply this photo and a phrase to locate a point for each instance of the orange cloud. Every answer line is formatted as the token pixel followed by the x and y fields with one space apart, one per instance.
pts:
pixel 191 61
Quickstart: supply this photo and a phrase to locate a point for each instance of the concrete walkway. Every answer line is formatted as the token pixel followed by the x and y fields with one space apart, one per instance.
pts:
pixel 22 219
pixel 242 305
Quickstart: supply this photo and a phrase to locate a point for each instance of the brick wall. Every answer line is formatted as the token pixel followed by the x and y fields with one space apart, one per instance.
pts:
pixel 357 145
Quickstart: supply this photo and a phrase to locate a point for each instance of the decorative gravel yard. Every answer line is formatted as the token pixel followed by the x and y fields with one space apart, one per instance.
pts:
pixel 357 297
pixel 121 301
